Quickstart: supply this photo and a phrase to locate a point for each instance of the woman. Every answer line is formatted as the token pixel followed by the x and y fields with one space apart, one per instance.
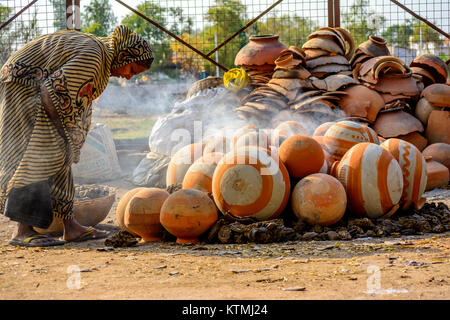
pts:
pixel 46 93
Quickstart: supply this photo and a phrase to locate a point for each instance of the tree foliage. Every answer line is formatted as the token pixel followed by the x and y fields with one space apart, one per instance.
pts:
pixel 399 34
pixel 98 18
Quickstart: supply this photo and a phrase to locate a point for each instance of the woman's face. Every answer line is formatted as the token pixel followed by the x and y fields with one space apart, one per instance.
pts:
pixel 128 71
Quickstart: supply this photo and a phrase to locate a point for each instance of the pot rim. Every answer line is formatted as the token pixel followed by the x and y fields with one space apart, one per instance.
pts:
pixel 377 40
pixel 263 36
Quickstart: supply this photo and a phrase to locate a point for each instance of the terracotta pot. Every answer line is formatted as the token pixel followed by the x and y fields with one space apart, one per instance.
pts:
pixel 339 81
pixel 372 179
pixel 323 44
pixel 329 34
pixel 187 214
pixel 414 171
pixel 343 135
pixel 396 123
pixel 239 132
pixel 255 138
pixel 419 141
pixel 285 130
pixel 319 199
pixel 200 173
pixel 423 110
pixel 122 205
pixel 438 127
pixel 217 144
pixel 440 152
pixel 301 155
pixel 349 39
pixel 374 47
pixel 427 77
pixel 251 183
pixel 260 50
pixel 437 173
pixel 438 95
pixel 181 162
pixel 142 214
pixel 322 129
pixel 371 135
pixel 433 64
pixel 88 213
pixel 361 101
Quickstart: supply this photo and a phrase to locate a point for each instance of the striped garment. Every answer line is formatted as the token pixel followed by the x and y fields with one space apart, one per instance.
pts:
pixel 75 68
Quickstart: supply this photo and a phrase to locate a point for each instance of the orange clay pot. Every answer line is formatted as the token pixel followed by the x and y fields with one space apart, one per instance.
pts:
pixel 416 139
pixel 414 171
pixel 438 128
pixel 372 179
pixel 122 205
pixel 322 129
pixel 239 132
pixel 181 162
pixel 254 138
pixel 251 183
pixel 433 64
pixel 288 129
pixel 260 50
pixel 301 155
pixel 142 213
pixel 440 152
pixel 199 175
pixel 319 199
pixel 437 173
pixel 219 144
pixel 396 123
pixel 438 95
pixel 187 214
pixel 343 135
pixel 361 101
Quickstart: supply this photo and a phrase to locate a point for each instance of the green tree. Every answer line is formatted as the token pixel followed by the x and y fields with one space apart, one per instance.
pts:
pixel 59 14
pixel 362 22
pixel 399 34
pixel 424 36
pixel 98 18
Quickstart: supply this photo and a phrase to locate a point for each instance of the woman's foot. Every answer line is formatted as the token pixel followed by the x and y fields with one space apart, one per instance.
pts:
pixel 74 231
pixel 27 236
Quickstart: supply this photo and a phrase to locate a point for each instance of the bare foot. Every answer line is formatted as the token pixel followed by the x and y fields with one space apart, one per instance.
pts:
pixel 73 230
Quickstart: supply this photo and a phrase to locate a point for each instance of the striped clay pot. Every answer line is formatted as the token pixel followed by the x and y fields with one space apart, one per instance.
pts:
pixel 372 179
pixel 142 214
pixel 200 173
pixel 254 138
pixel 239 132
pixel 285 130
pixel 187 214
pixel 301 155
pixel 343 135
pixel 322 129
pixel 217 144
pixel 372 135
pixel 181 161
pixel 251 183
pixel 319 199
pixel 414 171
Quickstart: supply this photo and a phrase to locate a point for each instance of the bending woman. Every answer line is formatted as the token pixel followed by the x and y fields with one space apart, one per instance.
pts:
pixel 46 93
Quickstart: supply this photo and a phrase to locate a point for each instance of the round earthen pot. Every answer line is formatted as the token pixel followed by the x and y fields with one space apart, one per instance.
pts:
pixel 414 171
pixel 301 155
pixel 343 135
pixel 260 50
pixel 361 101
pixel 142 214
pixel 288 129
pixel 439 152
pixel 251 183
pixel 217 144
pixel 438 95
pixel 181 162
pixel 423 110
pixel 433 64
pixel 396 123
pixel 200 173
pixel 416 139
pixel 319 199
pixel 322 129
pixel 254 138
pixel 437 174
pixel 239 132
pixel 372 179
pixel 122 205
pixel 187 214
pixel 438 127
pixel 375 47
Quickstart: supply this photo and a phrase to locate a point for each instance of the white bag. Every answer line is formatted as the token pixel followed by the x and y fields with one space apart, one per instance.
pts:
pixel 98 158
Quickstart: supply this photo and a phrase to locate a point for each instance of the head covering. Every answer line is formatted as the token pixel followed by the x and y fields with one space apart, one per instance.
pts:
pixel 128 47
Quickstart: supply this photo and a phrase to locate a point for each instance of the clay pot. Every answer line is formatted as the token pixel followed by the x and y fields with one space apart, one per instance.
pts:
pixel 260 50
pixel 438 127
pixel 374 47
pixel 438 95
pixel 440 152
pixel 142 214
pixel 217 144
pixel 343 135
pixel 285 130
pixel 427 77
pixel 437 174
pixel 323 44
pixel 255 138
pixel 301 155
pixel 339 81
pixel 239 132
pixel 396 123
pixel 361 101
pixel 372 179
pixel 414 171
pixel 181 162
pixel 315 53
pixel 251 183
pixel 433 64
pixel 419 141
pixel 319 199
pixel 322 129
pixel 122 205
pixel 200 173
pixel 423 110
pixel 187 214
pixel 349 39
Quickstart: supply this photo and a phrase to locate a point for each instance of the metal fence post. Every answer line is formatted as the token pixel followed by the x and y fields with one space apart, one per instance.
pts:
pixel 334 13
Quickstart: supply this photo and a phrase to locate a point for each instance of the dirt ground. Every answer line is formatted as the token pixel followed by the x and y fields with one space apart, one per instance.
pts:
pixel 410 267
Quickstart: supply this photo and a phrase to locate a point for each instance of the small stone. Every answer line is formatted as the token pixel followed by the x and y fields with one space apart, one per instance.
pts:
pixel 371 233
pixel 294 289
pixel 309 236
pixel 332 235
pixel 344 235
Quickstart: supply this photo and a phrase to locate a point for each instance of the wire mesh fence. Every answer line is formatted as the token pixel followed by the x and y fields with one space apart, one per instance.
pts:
pixel 205 24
